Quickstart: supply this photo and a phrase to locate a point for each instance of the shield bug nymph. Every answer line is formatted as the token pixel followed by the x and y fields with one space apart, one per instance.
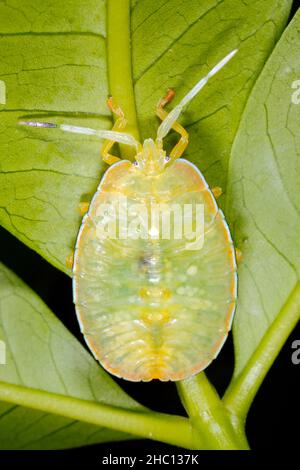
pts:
pixel 153 307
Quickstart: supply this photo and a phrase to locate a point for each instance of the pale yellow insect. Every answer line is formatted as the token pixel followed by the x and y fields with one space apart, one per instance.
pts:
pixel 149 307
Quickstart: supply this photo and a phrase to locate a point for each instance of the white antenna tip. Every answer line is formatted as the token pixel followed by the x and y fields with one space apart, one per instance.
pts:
pixel 232 53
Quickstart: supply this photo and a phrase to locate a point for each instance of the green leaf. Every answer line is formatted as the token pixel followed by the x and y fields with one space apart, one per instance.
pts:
pixel 53 64
pixel 41 354
pixel 263 206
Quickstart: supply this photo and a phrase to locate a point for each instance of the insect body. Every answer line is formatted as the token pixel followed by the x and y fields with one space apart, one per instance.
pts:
pixel 153 307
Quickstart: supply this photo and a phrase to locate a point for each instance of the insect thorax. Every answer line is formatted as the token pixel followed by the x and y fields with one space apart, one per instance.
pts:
pixel 152 158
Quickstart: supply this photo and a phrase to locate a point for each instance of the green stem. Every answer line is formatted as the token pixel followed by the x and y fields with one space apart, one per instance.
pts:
pixel 243 388
pixel 208 415
pixel 174 430
pixel 119 64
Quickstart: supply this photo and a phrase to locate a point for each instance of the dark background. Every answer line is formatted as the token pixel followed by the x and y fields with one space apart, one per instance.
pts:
pixel 273 418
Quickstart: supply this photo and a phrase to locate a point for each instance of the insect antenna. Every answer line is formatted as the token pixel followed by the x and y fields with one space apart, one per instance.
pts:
pixel 120 137
pixel 168 122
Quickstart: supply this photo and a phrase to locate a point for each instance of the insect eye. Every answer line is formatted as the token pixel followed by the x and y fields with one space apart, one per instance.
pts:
pixel 167 159
pixel 136 163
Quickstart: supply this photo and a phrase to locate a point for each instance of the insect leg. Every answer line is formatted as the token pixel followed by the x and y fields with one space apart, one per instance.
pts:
pixel 238 255
pixel 181 145
pixel 118 126
pixel 83 207
pixel 70 260
pixel 217 191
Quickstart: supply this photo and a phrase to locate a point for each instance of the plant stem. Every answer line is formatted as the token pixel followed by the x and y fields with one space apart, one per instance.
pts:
pixel 244 387
pixel 119 64
pixel 174 430
pixel 208 415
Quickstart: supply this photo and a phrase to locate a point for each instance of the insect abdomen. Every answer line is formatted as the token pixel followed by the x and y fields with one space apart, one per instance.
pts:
pixel 153 308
